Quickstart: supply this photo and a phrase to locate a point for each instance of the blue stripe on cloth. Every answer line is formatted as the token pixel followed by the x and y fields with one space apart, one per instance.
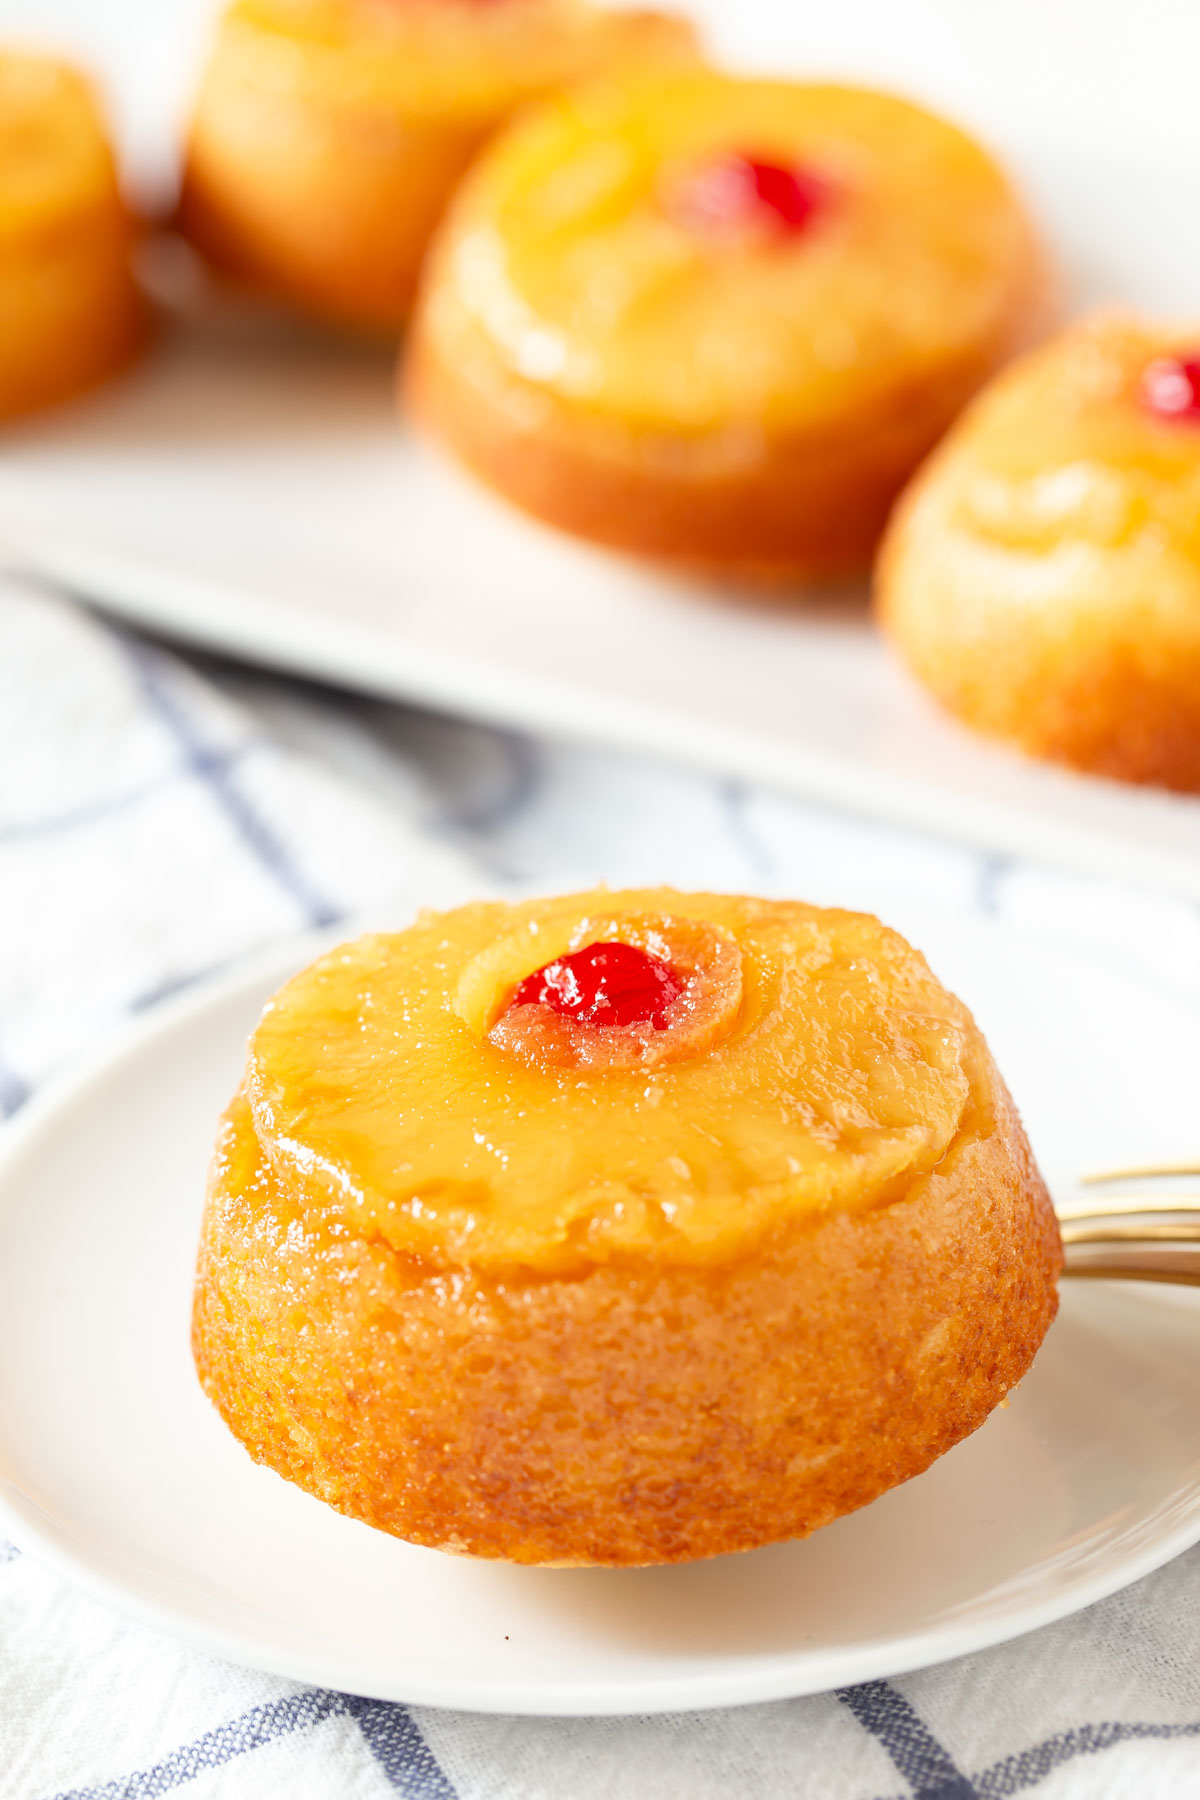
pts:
pixel 25 831
pixel 523 766
pixel 400 1750
pixel 13 1091
pixel 1027 1767
pixel 735 799
pixel 925 1764
pixel 170 985
pixel 261 1725
pixel 213 769
pixel 388 1732
pixel 8 1552
pixel 993 872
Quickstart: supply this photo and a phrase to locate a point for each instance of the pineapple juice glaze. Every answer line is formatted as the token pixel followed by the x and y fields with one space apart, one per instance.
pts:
pixel 811 1062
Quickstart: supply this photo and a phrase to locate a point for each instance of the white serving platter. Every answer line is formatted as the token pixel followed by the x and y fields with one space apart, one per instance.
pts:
pixel 116 1471
pixel 250 488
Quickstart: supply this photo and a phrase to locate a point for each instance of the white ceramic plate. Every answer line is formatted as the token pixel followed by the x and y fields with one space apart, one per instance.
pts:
pixel 252 490
pixel 114 1468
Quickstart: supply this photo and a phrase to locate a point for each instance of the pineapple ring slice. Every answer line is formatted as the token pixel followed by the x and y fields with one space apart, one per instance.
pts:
pixel 817 1065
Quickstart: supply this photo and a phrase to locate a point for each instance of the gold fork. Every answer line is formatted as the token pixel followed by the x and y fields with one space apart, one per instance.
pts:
pixel 1134 1235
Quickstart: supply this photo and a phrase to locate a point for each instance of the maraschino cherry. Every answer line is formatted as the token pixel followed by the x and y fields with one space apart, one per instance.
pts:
pixel 604 984
pixel 733 191
pixel 1171 387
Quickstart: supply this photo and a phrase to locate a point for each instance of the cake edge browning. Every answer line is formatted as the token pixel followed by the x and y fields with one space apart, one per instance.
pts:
pixel 1077 655
pixel 798 512
pixel 637 1414
pixel 806 504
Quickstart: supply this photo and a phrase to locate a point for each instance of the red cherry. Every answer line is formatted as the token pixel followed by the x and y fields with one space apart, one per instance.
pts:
pixel 605 984
pixel 734 190
pixel 793 195
pixel 1171 387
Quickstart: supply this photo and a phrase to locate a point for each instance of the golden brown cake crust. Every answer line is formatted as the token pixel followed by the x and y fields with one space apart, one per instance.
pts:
pixel 639 1411
pixel 632 1415
pixel 796 513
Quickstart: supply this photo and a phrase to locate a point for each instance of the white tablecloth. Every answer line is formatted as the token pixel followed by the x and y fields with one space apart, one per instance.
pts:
pixel 160 819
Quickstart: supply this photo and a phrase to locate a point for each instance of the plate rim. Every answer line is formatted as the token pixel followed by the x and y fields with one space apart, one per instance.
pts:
pixel 242 619
pixel 765 1677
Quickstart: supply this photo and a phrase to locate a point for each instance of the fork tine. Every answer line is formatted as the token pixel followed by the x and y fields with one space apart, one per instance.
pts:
pixel 1135 1260
pixel 1139 1231
pixel 1134 1236
pixel 1122 1272
pixel 1113 1205
pixel 1139 1172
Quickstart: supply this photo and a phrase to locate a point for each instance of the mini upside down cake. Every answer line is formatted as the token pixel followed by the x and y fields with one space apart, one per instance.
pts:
pixel 718 321
pixel 70 314
pixel 328 135
pixel 618 1228
pixel 1042 578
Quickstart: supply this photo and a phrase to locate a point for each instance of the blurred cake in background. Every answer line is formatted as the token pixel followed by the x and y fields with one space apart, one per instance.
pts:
pixel 70 313
pixel 720 321
pixel 328 135
pixel 1043 576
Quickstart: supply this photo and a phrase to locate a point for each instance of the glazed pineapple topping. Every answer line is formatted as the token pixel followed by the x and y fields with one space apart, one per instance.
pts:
pixel 605 984
pixel 1171 387
pixel 736 192
pixel 808 1061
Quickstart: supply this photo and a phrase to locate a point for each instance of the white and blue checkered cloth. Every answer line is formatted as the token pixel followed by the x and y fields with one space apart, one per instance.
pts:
pixel 157 820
